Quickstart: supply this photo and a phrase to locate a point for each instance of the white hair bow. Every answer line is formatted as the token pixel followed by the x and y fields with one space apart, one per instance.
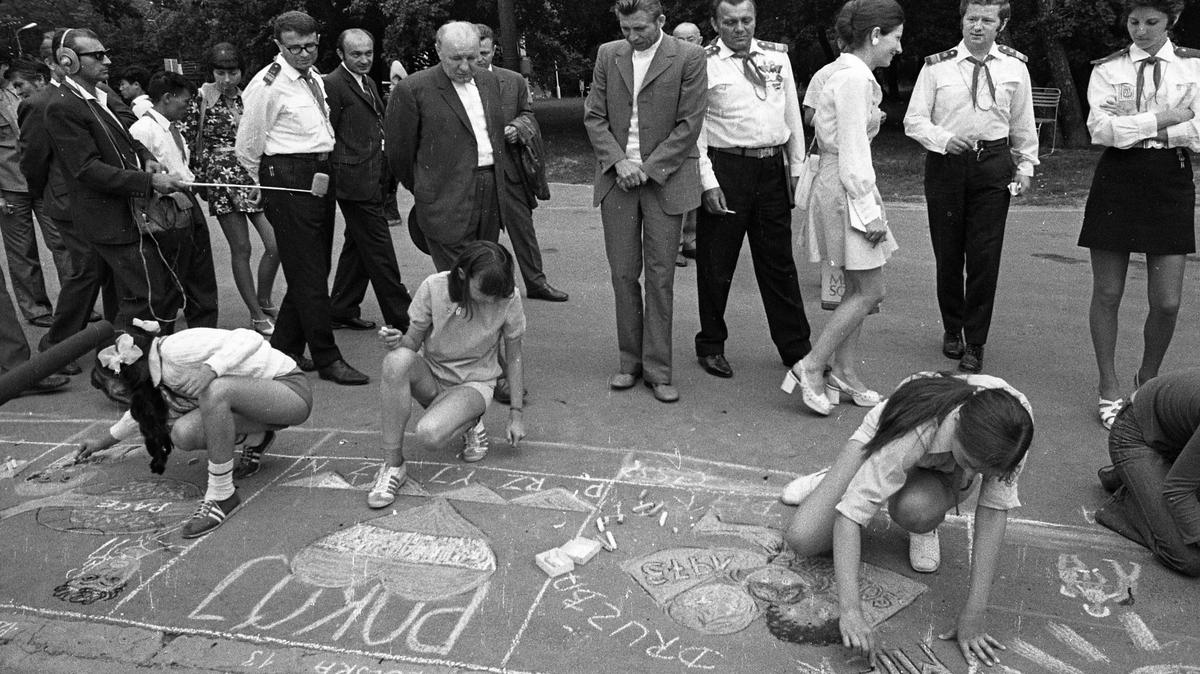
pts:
pixel 123 353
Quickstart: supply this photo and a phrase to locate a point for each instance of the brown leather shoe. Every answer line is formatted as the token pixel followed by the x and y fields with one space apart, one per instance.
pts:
pixel 663 393
pixel 340 372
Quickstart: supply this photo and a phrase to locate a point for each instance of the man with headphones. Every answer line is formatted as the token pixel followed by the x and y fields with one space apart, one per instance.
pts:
pixel 105 167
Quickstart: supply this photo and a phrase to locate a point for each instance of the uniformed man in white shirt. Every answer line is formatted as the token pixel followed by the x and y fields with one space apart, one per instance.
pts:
pixel 190 253
pixel 751 147
pixel 285 138
pixel 972 108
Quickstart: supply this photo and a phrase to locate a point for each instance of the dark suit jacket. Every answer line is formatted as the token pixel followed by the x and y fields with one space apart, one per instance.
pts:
pixel 357 121
pixel 100 160
pixel 671 109
pixel 431 148
pixel 44 175
pixel 514 101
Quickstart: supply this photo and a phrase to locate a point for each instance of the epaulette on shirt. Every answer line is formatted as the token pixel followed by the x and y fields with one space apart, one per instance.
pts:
pixel 711 49
pixel 1009 51
pixel 272 73
pixel 938 58
pixel 1187 53
pixel 773 46
pixel 1117 54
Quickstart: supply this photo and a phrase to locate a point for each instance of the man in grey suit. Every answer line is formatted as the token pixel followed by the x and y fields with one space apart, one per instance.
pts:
pixel 445 142
pixel 643 117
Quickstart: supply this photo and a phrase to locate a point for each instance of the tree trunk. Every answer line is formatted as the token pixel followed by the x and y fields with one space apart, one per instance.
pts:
pixel 511 55
pixel 1070 111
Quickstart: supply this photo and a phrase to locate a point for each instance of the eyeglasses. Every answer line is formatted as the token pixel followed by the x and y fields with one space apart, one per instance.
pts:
pixel 99 54
pixel 298 49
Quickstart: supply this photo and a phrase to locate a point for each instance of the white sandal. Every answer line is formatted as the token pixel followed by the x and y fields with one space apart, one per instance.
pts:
pixel 802 487
pixel 1109 409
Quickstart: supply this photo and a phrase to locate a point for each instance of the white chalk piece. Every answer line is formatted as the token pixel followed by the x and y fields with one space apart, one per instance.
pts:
pixel 611 541
pixel 674 530
pixel 642 496
pixel 580 550
pixel 554 562
pixel 600 524
pixel 662 519
pixel 641 508
pixel 620 518
pixel 657 507
pixel 603 543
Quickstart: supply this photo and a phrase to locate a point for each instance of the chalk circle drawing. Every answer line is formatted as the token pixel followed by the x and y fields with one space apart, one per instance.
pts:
pixel 1082 581
pixel 55 480
pixel 776 585
pixel 426 553
pixel 714 608
pixel 136 506
pixel 700 588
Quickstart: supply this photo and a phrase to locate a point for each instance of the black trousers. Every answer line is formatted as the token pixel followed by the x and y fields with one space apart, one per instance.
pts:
pixel 484 224
pixel 79 287
pixel 967 197
pixel 368 255
pixel 757 190
pixel 303 226
pixel 194 285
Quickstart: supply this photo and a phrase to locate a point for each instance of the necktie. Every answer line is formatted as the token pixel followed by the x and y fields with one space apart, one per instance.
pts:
pixel 315 91
pixel 981 65
pixel 752 72
pixel 1141 77
pixel 179 141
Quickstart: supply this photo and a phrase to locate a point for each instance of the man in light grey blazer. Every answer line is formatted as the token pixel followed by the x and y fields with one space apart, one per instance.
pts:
pixel 643 117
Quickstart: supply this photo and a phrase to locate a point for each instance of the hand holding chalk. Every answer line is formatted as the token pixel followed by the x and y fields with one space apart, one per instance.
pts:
pixel 390 337
pixel 516 429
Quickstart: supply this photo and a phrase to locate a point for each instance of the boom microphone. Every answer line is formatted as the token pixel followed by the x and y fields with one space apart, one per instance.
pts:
pixel 46 363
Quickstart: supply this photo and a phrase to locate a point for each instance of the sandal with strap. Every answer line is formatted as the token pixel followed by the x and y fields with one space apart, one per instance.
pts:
pixel 1109 409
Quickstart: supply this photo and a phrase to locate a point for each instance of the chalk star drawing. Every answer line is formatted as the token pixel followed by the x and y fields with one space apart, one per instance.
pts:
pixel 425 553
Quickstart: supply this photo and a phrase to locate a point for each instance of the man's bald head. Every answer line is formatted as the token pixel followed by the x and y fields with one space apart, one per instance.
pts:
pixel 457 45
pixel 688 32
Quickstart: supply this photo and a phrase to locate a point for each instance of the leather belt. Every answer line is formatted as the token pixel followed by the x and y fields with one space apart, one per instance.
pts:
pixel 752 152
pixel 314 156
pixel 987 147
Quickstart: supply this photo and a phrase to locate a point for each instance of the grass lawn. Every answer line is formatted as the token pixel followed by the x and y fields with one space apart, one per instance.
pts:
pixel 1062 179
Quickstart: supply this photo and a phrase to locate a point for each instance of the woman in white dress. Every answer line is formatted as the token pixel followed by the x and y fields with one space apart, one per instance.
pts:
pixel 846 224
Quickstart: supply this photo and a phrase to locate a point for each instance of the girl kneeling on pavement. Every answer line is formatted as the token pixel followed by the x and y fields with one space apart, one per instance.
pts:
pixel 919 451
pixel 1155 477
pixel 448 362
pixel 204 388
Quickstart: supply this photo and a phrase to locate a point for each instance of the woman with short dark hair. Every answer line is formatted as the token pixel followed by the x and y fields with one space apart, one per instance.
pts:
pixel 1142 200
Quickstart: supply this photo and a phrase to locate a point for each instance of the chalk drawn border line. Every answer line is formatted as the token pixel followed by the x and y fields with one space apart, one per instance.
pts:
pixel 258 639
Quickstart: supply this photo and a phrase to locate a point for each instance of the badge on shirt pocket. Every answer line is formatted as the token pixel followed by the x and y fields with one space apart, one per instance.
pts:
pixel 1125 92
pixel 773 73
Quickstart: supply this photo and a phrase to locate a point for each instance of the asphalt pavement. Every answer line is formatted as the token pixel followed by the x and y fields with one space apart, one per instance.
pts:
pixel 304 577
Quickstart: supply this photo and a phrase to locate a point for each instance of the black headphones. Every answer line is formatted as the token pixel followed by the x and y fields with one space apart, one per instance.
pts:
pixel 67 58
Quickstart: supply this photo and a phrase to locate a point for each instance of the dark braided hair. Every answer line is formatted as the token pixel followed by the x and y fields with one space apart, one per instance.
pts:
pixel 146 403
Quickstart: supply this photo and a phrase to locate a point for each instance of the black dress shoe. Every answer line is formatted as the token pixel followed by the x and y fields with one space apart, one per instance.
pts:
pixel 339 372
pixel 51 383
pixel 547 292
pixel 952 345
pixel 688 251
pixel 71 368
pixel 43 321
pixel 1109 479
pixel 305 364
pixel 716 365
pixel 972 359
pixel 355 323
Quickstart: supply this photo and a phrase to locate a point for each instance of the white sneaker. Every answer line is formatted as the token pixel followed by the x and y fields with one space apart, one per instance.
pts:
pixel 475 443
pixel 799 489
pixel 386 486
pixel 924 552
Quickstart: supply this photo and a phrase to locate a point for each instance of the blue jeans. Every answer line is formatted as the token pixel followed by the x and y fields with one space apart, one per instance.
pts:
pixel 1137 510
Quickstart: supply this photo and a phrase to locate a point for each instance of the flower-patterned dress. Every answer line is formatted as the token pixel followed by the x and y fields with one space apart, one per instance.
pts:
pixel 216 162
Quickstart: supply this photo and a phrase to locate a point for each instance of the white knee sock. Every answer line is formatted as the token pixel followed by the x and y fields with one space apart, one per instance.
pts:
pixel 220 481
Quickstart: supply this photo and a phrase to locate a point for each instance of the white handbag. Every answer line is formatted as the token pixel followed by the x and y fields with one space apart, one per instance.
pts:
pixel 808 173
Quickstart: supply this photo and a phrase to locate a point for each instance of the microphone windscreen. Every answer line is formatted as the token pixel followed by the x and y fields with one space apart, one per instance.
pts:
pixel 320 184
pixel 46 363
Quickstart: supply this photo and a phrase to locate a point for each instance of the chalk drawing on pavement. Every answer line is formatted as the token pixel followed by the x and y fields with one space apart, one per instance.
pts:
pixel 711 524
pixel 109 568
pixel 425 553
pixel 474 493
pixel 714 608
pixel 556 498
pixel 1087 582
pixel 55 480
pixel 136 506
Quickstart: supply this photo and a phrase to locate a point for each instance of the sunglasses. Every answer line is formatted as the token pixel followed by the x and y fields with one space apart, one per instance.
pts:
pixel 99 54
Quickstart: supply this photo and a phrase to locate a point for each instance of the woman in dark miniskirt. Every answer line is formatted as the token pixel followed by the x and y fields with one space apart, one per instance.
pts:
pixel 1143 103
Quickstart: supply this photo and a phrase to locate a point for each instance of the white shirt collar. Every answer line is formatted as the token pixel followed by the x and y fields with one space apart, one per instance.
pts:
pixel 100 96
pixel 1166 53
pixel 649 52
pixel 853 61
pixel 357 78
pixel 287 70
pixel 726 52
pixel 964 53
pixel 158 118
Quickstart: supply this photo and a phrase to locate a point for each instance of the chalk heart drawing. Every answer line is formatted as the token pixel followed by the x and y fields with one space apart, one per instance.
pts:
pixel 425 553
pixel 131 507
pixel 1083 581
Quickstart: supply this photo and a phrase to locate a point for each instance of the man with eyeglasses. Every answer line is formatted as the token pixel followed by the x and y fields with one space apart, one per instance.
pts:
pixel 285 138
pixel 105 167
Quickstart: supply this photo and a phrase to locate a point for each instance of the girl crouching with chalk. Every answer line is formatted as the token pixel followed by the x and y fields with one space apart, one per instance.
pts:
pixel 204 388
pixel 920 452
pixel 448 362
